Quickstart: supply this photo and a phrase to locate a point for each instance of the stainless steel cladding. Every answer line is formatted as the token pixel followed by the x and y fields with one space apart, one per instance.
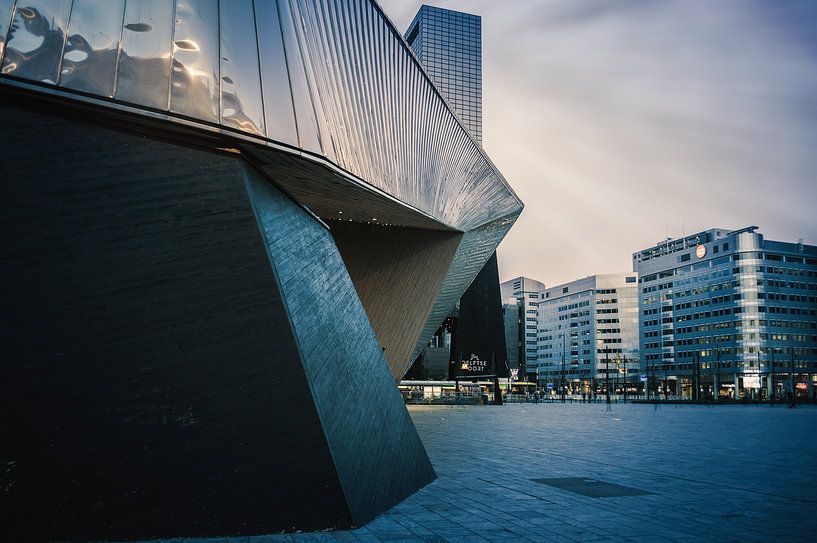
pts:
pixel 327 81
pixel 332 78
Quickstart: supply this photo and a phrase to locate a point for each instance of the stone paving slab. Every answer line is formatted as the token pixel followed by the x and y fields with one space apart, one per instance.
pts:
pixel 724 473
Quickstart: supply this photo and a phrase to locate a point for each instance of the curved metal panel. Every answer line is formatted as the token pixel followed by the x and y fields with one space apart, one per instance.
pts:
pixel 359 97
pixel 92 48
pixel 6 10
pixel 397 109
pixel 278 109
pixel 333 78
pixel 194 89
pixel 241 104
pixel 305 117
pixel 36 40
pixel 144 63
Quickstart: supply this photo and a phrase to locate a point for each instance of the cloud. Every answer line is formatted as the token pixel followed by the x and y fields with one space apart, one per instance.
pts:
pixel 619 122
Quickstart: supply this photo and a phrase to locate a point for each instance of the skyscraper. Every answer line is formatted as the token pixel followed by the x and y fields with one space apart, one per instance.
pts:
pixel 449 46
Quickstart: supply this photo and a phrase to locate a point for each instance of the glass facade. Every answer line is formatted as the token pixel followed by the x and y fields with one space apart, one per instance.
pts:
pixel 449 46
pixel 728 313
pixel 587 323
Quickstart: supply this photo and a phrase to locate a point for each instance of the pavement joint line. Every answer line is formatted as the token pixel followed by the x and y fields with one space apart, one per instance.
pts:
pixel 514 490
pixel 609 465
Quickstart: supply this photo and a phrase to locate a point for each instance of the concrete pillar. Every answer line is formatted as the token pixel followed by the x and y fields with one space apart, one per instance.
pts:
pixel 737 385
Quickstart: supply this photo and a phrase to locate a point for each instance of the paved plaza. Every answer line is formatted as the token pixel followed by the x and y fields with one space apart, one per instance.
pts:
pixel 572 473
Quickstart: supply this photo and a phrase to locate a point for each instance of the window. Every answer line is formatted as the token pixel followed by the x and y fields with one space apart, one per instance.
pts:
pixel 685 258
pixel 564 290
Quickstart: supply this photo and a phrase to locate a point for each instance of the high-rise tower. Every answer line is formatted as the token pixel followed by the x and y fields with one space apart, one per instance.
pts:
pixel 449 46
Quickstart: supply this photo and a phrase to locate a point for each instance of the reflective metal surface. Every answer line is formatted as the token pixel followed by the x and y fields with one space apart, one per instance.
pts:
pixel 6 10
pixel 36 39
pixel 89 57
pixel 332 79
pixel 278 109
pixel 194 84
pixel 241 104
pixel 144 63
pixel 305 115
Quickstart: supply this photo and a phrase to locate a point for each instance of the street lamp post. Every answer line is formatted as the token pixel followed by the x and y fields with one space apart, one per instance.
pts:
pixel 791 382
pixel 771 380
pixel 625 378
pixel 666 383
pixel 563 368
pixel 717 387
pixel 607 372
pixel 695 371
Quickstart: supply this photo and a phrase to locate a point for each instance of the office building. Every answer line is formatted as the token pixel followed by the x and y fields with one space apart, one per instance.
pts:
pixel 588 335
pixel 513 315
pixel 449 46
pixel 216 264
pixel 528 292
pixel 729 313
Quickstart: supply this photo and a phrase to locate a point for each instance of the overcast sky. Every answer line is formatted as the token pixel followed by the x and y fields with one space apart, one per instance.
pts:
pixel 619 122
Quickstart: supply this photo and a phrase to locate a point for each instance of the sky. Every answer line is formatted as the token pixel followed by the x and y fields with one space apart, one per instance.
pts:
pixel 619 123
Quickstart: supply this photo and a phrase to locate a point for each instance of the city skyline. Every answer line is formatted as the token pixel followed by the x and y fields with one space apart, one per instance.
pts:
pixel 644 120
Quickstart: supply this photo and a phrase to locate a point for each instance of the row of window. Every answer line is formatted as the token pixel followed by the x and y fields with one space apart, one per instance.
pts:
pixel 795 272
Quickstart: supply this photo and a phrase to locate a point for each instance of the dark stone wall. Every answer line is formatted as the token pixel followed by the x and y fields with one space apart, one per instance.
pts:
pixel 376 450
pixel 150 381
pixel 479 328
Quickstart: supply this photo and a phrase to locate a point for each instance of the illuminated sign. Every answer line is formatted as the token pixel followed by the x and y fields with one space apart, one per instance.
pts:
pixel 751 381
pixel 700 251
pixel 474 364
pixel 802 386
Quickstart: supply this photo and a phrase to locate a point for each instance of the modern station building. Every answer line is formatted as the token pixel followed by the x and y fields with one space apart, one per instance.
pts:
pixel 728 312
pixel 525 293
pixel 588 335
pixel 229 226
